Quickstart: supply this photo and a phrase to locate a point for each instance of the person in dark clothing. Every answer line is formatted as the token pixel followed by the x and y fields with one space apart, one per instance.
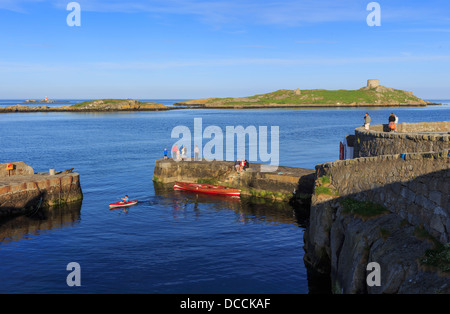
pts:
pixel 367 121
pixel 237 165
pixel 391 122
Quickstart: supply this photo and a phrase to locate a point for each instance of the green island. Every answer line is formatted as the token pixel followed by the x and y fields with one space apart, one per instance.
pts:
pixel 373 95
pixel 93 105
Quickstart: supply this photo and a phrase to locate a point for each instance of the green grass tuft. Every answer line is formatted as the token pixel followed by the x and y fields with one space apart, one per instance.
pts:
pixel 438 257
pixel 364 209
pixel 323 190
pixel 325 180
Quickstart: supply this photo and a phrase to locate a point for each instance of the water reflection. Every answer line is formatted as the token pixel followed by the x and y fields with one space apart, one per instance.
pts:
pixel 247 209
pixel 45 219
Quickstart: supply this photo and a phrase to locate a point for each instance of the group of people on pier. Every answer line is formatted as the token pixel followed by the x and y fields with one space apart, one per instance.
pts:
pixel 179 154
pixel 241 165
pixel 392 122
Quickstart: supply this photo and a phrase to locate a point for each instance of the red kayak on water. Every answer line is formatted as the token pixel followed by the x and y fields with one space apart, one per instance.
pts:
pixel 122 204
pixel 207 188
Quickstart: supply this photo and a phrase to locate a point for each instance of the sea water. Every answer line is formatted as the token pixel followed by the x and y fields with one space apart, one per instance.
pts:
pixel 171 242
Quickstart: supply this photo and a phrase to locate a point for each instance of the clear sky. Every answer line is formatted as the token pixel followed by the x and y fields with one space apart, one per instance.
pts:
pixel 220 48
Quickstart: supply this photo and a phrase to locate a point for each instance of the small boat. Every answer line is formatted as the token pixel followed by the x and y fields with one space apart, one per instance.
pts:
pixel 207 188
pixel 122 204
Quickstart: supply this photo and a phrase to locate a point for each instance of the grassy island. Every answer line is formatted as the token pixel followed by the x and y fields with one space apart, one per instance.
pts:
pixel 117 104
pixel 93 105
pixel 378 96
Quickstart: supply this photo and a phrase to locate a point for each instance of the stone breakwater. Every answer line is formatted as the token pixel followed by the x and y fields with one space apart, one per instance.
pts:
pixel 410 138
pixel 283 183
pixel 22 190
pixel 411 196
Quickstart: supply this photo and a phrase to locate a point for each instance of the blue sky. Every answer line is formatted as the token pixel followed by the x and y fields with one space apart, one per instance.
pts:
pixel 226 48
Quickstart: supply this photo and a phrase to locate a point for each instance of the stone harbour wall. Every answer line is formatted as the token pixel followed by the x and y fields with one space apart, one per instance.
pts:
pixel 25 190
pixel 280 183
pixel 413 189
pixel 410 138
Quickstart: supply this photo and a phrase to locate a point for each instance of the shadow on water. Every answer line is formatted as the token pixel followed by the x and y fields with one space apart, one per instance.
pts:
pixel 39 221
pixel 247 209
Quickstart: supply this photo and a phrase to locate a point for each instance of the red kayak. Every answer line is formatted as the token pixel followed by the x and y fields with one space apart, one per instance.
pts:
pixel 206 188
pixel 122 204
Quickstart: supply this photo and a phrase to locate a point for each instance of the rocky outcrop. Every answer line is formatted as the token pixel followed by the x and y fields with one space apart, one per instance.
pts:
pixel 349 243
pixel 392 210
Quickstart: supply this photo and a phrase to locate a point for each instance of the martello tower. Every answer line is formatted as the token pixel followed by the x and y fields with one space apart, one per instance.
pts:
pixel 373 83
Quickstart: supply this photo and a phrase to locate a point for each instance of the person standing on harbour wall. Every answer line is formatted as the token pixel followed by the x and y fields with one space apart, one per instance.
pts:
pixel 237 165
pixel 196 152
pixel 367 120
pixel 391 120
pixel 174 152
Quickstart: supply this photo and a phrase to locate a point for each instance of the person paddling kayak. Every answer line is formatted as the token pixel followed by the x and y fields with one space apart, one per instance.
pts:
pixel 125 199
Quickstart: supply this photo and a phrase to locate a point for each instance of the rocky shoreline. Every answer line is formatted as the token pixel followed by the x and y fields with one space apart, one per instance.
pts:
pixel 192 105
pixel 178 106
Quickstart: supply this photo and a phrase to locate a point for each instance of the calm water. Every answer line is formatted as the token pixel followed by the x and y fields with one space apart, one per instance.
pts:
pixel 171 242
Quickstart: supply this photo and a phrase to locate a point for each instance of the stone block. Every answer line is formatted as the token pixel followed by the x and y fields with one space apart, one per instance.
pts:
pixel 436 197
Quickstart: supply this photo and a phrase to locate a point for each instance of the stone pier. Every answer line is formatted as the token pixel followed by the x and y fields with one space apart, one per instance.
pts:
pixel 282 183
pixel 22 190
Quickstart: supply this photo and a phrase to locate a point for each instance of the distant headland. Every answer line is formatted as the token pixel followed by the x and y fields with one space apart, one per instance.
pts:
pixel 372 95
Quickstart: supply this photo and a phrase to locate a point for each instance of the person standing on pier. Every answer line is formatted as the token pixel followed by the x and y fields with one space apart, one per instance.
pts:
pixel 392 122
pixel 174 152
pixel 196 152
pixel 367 120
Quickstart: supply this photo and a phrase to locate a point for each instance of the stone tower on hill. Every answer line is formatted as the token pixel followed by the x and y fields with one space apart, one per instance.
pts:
pixel 373 83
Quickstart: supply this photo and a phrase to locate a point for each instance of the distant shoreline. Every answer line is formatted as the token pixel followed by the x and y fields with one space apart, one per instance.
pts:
pixel 29 109
pixel 303 106
pixel 45 101
pixel 367 97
